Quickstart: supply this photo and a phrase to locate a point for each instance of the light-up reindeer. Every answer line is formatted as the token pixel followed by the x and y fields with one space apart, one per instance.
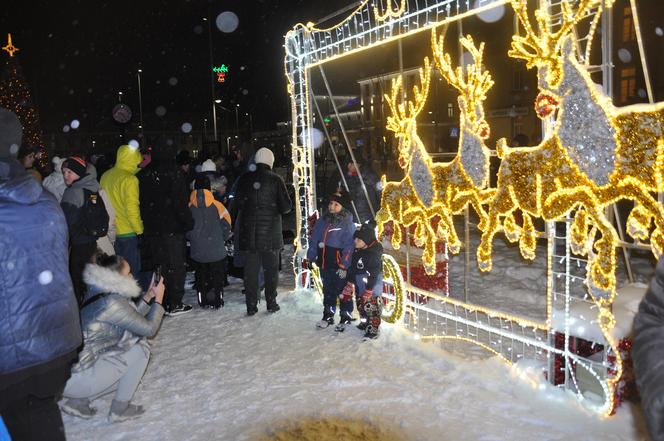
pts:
pixel 433 189
pixel 399 198
pixel 619 150
pixel 528 176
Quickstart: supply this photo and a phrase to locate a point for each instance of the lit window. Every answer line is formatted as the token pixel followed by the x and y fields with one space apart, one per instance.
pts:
pixel 627 83
pixel 628 31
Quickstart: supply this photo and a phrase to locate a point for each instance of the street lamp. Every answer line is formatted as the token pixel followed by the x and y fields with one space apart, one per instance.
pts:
pixel 140 100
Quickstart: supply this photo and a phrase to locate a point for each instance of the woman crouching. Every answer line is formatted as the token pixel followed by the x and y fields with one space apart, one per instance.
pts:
pixel 115 352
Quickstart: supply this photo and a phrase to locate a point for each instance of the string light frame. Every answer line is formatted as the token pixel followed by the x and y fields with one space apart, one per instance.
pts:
pixel 373 24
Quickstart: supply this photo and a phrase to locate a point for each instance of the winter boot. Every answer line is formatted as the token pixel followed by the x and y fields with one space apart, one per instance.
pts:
pixel 327 321
pixel 123 410
pixel 79 407
pixel 343 323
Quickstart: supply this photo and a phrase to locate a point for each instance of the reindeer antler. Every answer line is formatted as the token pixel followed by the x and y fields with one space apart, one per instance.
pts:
pixel 402 111
pixel 472 81
pixel 543 46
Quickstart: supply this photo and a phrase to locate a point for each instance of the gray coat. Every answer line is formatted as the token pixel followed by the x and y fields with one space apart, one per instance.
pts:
pixel 113 322
pixel 211 227
pixel 648 354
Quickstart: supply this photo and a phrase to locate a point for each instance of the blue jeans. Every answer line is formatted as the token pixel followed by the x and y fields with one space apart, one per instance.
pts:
pixel 127 247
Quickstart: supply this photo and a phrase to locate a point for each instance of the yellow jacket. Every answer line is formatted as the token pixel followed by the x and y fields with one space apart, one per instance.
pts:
pixel 121 185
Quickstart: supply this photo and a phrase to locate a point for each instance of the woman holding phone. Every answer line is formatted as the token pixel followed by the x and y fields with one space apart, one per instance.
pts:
pixel 115 350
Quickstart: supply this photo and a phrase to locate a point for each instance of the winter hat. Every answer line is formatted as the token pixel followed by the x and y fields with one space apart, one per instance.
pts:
pixel 11 134
pixel 342 198
pixel 264 156
pixel 202 182
pixel 367 232
pixel 76 164
pixel 208 166
pixel 57 164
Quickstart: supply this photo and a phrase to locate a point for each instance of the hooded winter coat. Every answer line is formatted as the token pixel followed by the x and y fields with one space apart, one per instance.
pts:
pixel 212 226
pixel 55 182
pixel 366 269
pixel 72 203
pixel 260 200
pixel 331 244
pixel 648 353
pixel 121 185
pixel 113 323
pixel 39 319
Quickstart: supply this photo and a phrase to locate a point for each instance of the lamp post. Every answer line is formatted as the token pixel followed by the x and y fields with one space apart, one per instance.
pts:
pixel 237 121
pixel 140 100
pixel 214 117
pixel 251 124
pixel 214 100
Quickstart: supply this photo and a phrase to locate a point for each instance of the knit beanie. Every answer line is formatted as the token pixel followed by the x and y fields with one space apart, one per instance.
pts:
pixel 11 134
pixel 75 164
pixel 208 166
pixel 264 156
pixel 367 232
pixel 342 198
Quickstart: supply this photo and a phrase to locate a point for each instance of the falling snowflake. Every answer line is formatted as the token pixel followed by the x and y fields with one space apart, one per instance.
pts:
pixel 45 277
pixel 227 22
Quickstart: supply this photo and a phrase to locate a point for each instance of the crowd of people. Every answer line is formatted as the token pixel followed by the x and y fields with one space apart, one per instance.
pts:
pixel 93 261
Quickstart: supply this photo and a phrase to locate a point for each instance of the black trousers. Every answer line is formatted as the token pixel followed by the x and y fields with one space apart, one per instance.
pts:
pixel 254 260
pixel 29 407
pixel 79 256
pixel 169 251
pixel 211 276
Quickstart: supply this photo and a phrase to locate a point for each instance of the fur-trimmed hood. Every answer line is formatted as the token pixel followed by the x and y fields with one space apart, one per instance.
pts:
pixel 108 280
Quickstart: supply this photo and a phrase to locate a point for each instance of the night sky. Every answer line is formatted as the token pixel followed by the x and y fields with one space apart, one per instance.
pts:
pixel 77 56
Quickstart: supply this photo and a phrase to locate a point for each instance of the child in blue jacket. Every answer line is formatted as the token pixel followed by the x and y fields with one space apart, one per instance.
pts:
pixel 365 279
pixel 331 247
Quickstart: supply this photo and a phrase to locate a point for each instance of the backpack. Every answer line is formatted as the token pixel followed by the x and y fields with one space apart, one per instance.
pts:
pixel 94 218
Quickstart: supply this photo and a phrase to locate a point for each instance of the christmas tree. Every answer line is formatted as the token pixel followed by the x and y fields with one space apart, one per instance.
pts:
pixel 15 95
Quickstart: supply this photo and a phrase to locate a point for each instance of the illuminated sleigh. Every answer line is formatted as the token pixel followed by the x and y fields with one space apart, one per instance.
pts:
pixel 557 340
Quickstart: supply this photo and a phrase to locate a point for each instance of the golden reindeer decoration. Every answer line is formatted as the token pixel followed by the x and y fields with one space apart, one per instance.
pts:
pixel 528 176
pixel 620 150
pixel 440 190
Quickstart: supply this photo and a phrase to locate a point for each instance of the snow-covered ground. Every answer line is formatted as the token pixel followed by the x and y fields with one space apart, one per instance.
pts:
pixel 220 375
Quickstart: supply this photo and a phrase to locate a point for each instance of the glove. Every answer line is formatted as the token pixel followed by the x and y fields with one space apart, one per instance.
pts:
pixel 366 296
pixel 341 273
pixel 347 294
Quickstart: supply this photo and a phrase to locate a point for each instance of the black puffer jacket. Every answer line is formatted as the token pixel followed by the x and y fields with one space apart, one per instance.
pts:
pixel 648 354
pixel 164 200
pixel 260 200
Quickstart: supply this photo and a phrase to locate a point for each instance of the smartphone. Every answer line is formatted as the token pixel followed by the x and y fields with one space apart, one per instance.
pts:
pixel 157 274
